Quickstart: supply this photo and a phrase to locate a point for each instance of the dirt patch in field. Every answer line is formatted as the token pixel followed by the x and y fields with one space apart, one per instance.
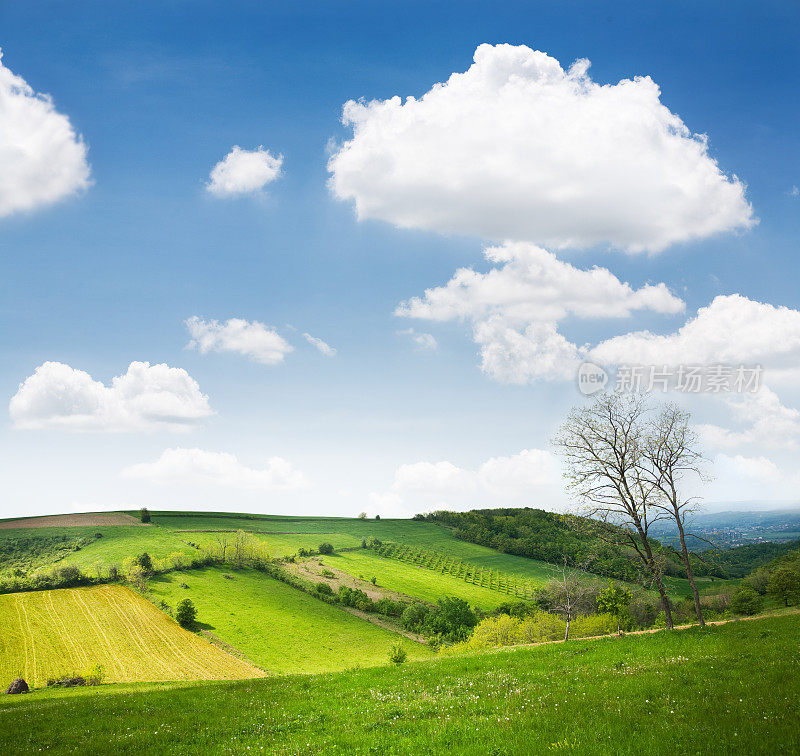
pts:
pixel 311 569
pixel 72 520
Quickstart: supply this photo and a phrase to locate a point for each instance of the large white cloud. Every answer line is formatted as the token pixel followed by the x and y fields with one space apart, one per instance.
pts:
pixel 519 148
pixel 531 476
pixel 244 172
pixel 146 397
pixel 731 330
pixel 201 467
pixel 515 307
pixel 252 339
pixel 42 159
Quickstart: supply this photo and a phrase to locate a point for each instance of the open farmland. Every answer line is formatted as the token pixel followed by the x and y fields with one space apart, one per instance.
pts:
pixel 47 634
pixel 276 626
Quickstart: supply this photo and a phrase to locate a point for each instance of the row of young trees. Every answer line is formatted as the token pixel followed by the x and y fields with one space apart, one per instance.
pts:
pixel 627 463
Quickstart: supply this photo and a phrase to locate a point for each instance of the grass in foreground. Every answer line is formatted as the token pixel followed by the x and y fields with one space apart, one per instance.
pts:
pixel 728 689
pixel 278 627
pixel 47 634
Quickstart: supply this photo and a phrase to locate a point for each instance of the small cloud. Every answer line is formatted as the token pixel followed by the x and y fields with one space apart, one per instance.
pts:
pixel 320 345
pixel 424 342
pixel 794 192
pixel 244 172
pixel 252 339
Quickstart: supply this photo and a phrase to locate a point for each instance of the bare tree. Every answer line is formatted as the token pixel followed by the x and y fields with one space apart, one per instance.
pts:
pixel 567 594
pixel 671 453
pixel 222 540
pixel 602 445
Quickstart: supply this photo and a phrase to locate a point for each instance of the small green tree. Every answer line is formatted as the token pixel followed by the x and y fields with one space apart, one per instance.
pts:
pixel 398 654
pixel 186 614
pixel 326 548
pixel 362 515
pixel 377 517
pixel 145 561
pixel 144 514
pixel 746 601
pixel 614 600
pixel 784 585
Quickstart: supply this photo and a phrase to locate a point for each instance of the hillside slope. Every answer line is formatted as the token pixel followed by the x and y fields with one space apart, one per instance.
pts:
pixel 727 689
pixel 47 634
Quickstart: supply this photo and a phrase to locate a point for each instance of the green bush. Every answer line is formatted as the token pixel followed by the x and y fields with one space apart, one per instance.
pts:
pixel 452 618
pixel 413 617
pixel 326 548
pixel 144 514
pixel 398 654
pixel 186 614
pixel 746 601
pixel 324 588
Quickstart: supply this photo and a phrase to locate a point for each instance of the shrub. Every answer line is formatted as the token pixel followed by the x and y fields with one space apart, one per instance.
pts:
pixel 186 614
pixel 326 548
pixel 746 601
pixel 451 618
pixel 362 515
pixel 377 517
pixel 373 580
pixel 328 574
pixel 144 514
pixel 590 625
pixel 145 561
pixel 413 617
pixel 398 654
pixel 301 552
pixel 324 588
pixel 96 675
pixel 389 608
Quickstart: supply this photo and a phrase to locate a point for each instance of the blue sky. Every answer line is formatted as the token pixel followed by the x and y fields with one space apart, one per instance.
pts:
pixel 161 92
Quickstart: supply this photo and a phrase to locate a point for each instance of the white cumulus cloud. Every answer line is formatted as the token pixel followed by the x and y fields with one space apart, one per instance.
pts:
pixel 321 346
pixel 147 397
pixel 244 172
pixel 42 159
pixel 518 148
pixel 518 478
pixel 515 308
pixel 252 339
pixel 201 467
pixel 732 330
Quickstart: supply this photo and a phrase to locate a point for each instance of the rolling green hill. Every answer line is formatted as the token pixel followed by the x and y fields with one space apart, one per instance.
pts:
pixel 279 628
pixel 726 689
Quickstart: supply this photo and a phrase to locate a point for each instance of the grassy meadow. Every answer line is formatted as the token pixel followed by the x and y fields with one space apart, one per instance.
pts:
pixel 412 580
pixel 277 627
pixel 732 688
pixel 46 634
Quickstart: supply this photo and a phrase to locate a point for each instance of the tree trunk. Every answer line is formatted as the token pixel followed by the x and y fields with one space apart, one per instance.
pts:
pixel 698 610
pixel 566 633
pixel 664 599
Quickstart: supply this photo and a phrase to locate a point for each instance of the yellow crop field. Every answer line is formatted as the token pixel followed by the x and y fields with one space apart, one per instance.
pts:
pixel 46 634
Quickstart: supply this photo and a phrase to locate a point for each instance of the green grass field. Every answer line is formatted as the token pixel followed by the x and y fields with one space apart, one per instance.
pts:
pixel 727 689
pixel 55 633
pixel 418 582
pixel 278 627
